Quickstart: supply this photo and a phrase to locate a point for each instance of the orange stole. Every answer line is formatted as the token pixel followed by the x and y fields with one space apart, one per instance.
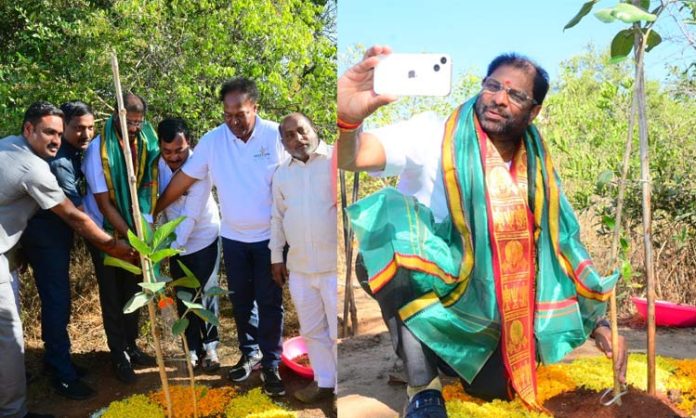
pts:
pixel 511 226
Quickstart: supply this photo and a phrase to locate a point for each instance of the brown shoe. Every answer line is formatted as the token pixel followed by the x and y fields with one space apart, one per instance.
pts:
pixel 313 393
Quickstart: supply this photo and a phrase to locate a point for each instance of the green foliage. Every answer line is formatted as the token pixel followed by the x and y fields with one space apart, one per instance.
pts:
pixel 138 300
pixel 174 53
pixel 115 262
pixel 180 326
pixel 148 249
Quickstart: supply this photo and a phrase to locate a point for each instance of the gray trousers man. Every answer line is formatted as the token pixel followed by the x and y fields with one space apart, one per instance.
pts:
pixel 12 378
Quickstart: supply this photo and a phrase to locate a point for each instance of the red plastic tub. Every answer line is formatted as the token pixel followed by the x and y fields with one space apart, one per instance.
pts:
pixel 667 314
pixel 293 348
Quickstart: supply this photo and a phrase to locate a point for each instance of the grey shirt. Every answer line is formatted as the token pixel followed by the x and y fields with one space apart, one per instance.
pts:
pixel 26 184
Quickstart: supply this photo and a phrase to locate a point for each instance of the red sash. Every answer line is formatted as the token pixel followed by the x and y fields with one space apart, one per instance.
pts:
pixel 511 226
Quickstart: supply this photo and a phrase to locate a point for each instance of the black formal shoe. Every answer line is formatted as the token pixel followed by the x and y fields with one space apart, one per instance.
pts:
pixel 77 389
pixel 426 404
pixel 139 358
pixel 242 370
pixel 124 372
pixel 272 384
pixel 34 415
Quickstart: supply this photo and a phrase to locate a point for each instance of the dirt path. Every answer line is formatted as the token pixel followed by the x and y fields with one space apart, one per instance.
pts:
pixel 370 375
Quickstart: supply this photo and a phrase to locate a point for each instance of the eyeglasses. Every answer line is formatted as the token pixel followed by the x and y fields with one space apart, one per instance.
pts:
pixel 134 123
pixel 517 97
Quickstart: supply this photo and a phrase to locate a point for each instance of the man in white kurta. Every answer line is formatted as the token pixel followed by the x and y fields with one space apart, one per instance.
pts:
pixel 304 217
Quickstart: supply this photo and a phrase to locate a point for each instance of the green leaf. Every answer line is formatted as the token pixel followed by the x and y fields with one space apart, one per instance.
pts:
pixel 180 326
pixel 193 305
pixel 624 244
pixel 608 221
pixel 626 271
pixel 604 178
pixel 164 231
pixel 216 291
pixel 186 270
pixel 184 295
pixel 117 262
pixel 629 13
pixel 138 244
pixel 138 300
pixel 160 255
pixel 207 316
pixel 190 282
pixel 605 15
pixel 147 230
pixel 153 287
pixel 654 40
pixel 621 45
pixel 584 10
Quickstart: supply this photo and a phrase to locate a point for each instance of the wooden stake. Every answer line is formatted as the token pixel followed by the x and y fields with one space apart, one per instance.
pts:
pixel 137 220
pixel 349 307
pixel 615 249
pixel 640 41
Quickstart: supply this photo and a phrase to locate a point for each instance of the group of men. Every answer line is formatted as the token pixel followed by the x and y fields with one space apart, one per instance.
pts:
pixel 262 212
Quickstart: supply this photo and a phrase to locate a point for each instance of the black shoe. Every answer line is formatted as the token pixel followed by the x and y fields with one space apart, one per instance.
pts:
pixel 124 372
pixel 34 415
pixel 426 404
pixel 272 384
pixel 77 389
pixel 139 358
pixel 242 370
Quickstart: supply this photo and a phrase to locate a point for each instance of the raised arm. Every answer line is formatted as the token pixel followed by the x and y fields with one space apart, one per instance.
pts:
pixel 356 101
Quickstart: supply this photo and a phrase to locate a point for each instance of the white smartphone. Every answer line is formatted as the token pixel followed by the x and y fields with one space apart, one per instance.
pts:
pixel 414 75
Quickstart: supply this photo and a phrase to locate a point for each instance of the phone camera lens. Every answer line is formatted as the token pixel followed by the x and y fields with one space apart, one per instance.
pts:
pixel 436 67
pixel 443 60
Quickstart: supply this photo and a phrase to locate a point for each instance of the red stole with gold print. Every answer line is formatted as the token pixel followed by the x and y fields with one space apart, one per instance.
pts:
pixel 511 228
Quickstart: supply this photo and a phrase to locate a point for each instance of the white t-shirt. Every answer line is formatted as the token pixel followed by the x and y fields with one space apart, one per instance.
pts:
pixel 241 172
pixel 413 150
pixel 96 182
pixel 202 223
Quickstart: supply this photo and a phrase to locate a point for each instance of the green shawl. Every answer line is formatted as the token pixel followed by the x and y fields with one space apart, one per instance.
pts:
pixel 456 312
pixel 114 164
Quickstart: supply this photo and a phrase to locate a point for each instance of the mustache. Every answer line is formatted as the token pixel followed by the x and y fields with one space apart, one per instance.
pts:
pixel 498 109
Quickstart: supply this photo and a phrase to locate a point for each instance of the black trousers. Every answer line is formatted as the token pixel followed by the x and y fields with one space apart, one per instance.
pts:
pixel 116 287
pixel 420 362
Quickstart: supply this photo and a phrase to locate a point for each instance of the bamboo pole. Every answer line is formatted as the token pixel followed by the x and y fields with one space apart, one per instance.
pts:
pixel 353 306
pixel 641 41
pixel 349 308
pixel 615 249
pixel 192 377
pixel 137 219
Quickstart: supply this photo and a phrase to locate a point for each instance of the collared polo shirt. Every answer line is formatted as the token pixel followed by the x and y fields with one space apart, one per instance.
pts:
pixel 26 184
pixel 241 172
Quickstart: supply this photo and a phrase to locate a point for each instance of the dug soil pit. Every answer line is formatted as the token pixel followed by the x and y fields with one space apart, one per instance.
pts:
pixel 584 403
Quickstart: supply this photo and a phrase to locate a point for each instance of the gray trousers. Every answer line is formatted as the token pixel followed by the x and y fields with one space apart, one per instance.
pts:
pixel 13 385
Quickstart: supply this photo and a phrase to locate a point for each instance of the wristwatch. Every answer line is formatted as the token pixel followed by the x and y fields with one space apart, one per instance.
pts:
pixel 602 322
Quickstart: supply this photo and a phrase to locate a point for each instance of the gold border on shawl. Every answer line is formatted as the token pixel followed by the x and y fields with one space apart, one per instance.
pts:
pixel 454 201
pixel 105 165
pixel 417 305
